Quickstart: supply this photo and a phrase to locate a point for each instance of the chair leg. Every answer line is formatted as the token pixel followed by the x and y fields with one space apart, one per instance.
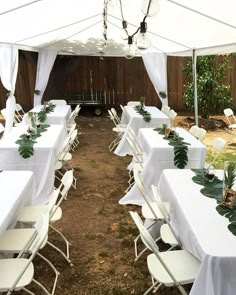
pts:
pixel 152 287
pixel 27 291
pixel 67 255
pixel 53 268
pixel 41 286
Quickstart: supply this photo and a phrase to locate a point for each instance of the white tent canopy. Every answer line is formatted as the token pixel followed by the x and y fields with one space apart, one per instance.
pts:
pixel 76 27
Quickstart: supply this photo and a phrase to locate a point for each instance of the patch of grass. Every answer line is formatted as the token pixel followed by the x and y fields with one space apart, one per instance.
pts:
pixel 103 254
pixel 127 242
pixel 219 162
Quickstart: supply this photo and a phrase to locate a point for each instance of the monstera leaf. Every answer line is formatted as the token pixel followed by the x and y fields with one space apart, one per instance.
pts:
pixel 26 148
pixel 231 215
pixel 42 116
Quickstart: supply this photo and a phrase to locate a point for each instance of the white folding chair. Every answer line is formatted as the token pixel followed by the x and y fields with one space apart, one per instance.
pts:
pixel 169 268
pixel 18 273
pixel 20 240
pixel 118 129
pixel 229 114
pixel 197 132
pixel 152 211
pixel 165 109
pixel 58 101
pixel 30 214
pixel 19 112
pixel 216 148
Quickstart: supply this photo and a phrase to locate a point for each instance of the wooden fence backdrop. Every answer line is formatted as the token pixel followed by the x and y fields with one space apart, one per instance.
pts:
pixel 119 79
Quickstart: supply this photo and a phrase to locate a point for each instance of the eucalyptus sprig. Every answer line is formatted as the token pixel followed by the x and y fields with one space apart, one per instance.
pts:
pixel 145 114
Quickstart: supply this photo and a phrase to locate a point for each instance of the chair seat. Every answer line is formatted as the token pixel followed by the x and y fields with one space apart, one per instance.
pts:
pixel 14 240
pixel 182 264
pixel 10 270
pixel 32 213
pixel 232 126
pixel 167 235
pixel 57 215
pixel 119 129
pixel 147 213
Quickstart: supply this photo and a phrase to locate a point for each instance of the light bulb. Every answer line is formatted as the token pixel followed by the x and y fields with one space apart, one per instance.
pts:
pixel 130 51
pixel 142 41
pixel 153 9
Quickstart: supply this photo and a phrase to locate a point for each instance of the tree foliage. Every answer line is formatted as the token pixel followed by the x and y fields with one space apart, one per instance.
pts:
pixel 213 93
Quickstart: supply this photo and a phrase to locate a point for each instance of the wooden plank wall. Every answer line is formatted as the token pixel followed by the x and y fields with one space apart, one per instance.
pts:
pixel 121 79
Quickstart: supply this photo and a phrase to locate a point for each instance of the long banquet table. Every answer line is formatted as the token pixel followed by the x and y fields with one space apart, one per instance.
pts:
pixel 202 231
pixel 135 120
pixel 41 163
pixel 17 191
pixel 159 155
pixel 59 116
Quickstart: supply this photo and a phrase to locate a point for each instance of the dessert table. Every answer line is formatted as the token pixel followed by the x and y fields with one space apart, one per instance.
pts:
pixel 202 231
pixel 41 163
pixel 59 116
pixel 159 155
pixel 135 120
pixel 17 191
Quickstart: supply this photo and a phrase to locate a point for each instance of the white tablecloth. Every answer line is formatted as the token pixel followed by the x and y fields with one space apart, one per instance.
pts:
pixel 60 115
pixel 17 191
pixel 41 163
pixel 159 155
pixel 202 231
pixel 135 120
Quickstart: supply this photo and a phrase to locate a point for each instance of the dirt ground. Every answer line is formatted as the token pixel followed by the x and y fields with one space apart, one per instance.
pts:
pixel 99 229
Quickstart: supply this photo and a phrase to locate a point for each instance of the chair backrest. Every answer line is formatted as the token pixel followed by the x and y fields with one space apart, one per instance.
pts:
pixel 157 198
pixel 112 117
pixel 172 114
pixel 201 134
pixel 228 114
pixel 66 181
pixel 133 103
pixel 114 112
pixel 65 147
pixel 197 132
pixel 165 109
pixel 122 107
pixel 133 137
pixel 194 130
pixel 136 155
pixel 58 101
pixel 42 230
pixel 2 128
pixel 217 145
pixel 19 108
pixel 3 112
pixel 138 222
pixel 73 137
pixel 145 193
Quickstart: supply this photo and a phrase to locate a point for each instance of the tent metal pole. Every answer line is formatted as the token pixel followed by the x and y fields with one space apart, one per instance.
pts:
pixel 194 66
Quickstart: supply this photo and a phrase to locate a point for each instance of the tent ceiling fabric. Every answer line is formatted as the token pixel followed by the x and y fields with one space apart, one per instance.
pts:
pixel 76 27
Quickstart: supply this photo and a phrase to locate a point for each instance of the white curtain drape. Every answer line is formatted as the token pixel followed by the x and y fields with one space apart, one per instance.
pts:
pixel 46 61
pixel 156 66
pixel 8 73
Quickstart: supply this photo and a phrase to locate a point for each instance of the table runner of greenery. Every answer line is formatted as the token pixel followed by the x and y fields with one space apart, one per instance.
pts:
pixel 27 141
pixel 214 190
pixel 180 147
pixel 42 115
pixel 141 110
